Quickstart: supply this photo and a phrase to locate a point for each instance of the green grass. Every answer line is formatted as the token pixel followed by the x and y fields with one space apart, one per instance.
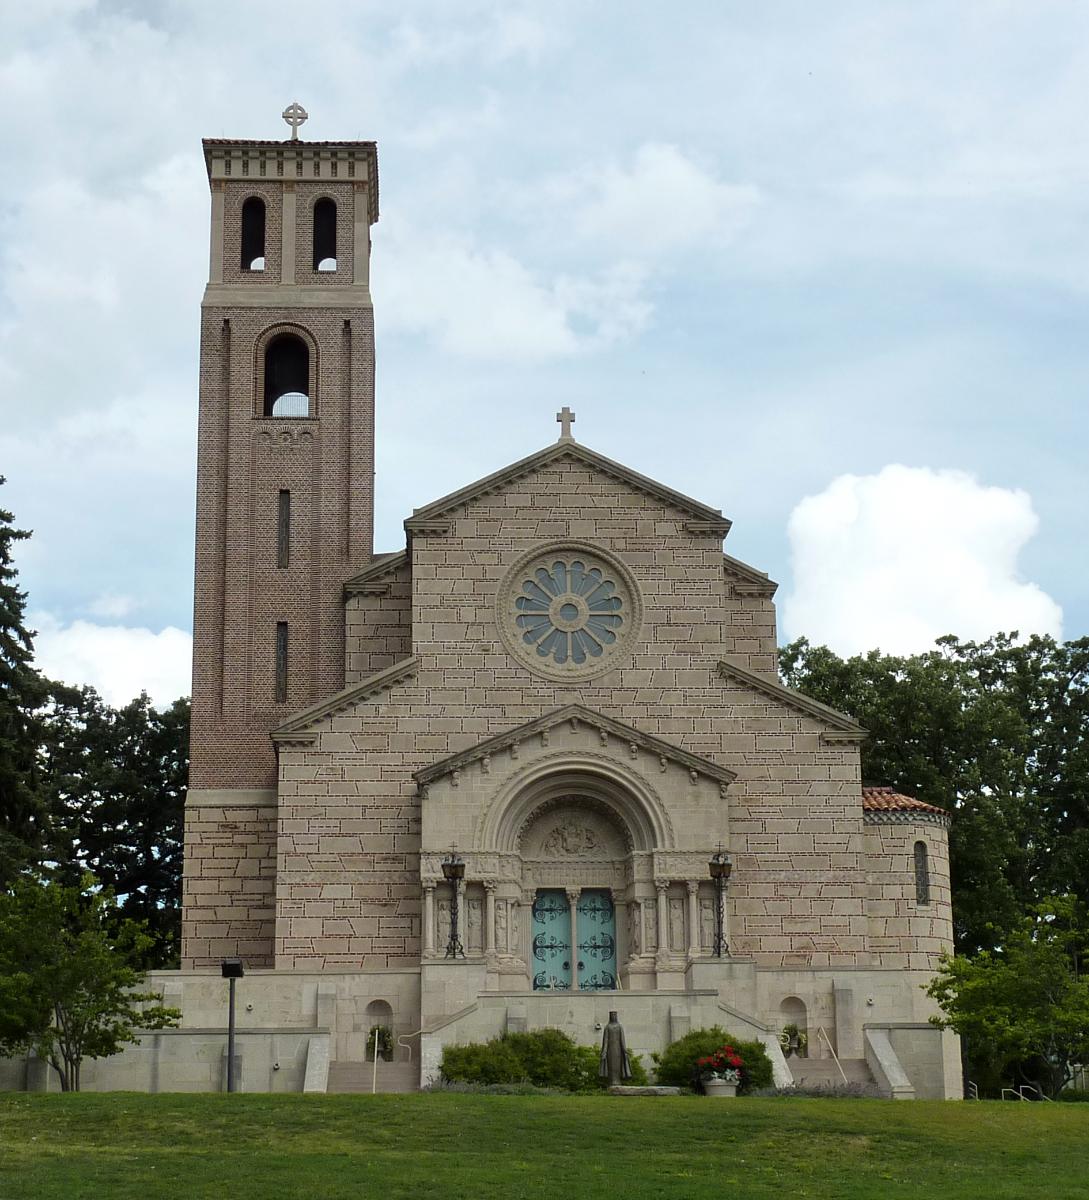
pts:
pixel 120 1145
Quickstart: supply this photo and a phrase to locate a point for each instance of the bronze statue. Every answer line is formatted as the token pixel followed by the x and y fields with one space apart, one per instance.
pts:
pixel 615 1064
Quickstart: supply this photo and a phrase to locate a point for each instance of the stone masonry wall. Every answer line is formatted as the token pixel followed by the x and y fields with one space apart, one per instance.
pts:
pixel 902 932
pixel 348 893
pixel 378 626
pixel 228 891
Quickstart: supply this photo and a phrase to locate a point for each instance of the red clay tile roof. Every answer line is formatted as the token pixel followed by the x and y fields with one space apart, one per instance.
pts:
pixel 886 799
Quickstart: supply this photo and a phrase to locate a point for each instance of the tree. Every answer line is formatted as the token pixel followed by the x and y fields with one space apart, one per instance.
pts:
pixel 997 732
pixel 1026 1006
pixel 114 781
pixel 67 979
pixel 21 692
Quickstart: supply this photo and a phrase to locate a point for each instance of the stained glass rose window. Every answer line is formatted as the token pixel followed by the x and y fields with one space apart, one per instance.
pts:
pixel 570 611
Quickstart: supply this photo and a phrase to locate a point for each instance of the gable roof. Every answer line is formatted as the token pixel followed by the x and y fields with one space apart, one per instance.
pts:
pixel 838 726
pixel 299 729
pixel 576 713
pixel 374 578
pixel 430 518
pixel 746 580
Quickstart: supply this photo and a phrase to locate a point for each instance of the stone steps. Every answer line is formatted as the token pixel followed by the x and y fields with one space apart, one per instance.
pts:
pixel 356 1077
pixel 823 1072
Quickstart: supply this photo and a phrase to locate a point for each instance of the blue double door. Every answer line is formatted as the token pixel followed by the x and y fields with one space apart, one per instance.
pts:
pixel 593 962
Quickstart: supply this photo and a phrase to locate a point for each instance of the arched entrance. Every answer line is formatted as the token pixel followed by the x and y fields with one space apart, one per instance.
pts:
pixel 575 858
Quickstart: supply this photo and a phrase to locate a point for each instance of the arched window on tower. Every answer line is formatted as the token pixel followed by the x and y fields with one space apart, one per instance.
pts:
pixel 253 234
pixel 287 377
pixel 325 235
pixel 922 874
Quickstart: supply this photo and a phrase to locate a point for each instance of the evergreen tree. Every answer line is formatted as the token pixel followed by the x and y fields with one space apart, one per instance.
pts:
pixel 21 692
pixel 114 781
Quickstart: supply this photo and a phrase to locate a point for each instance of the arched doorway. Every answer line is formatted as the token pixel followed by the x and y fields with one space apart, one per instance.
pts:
pixel 575 854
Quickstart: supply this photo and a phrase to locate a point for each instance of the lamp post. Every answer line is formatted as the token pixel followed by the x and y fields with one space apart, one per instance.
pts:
pixel 453 871
pixel 232 970
pixel 720 867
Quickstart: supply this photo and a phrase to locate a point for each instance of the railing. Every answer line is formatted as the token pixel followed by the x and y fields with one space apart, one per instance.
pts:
pixel 1018 1093
pixel 973 1091
pixel 831 1050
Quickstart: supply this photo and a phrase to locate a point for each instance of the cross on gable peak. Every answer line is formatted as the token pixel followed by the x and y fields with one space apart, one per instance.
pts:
pixel 294 115
pixel 566 418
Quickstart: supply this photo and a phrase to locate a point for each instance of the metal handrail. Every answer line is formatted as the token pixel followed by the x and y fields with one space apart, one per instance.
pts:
pixel 973 1091
pixel 831 1049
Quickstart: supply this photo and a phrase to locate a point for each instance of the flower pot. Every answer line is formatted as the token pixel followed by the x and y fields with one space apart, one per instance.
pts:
pixel 719 1087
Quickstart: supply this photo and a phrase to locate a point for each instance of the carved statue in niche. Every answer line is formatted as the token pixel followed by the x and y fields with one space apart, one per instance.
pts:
pixel 676 924
pixel 501 926
pixel 635 929
pixel 442 922
pixel 475 924
pixel 515 929
pixel 569 839
pixel 650 925
pixel 707 924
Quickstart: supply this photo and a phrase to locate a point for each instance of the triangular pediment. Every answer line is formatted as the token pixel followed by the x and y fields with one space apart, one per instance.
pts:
pixel 838 727
pixel 434 517
pixel 302 727
pixel 574 716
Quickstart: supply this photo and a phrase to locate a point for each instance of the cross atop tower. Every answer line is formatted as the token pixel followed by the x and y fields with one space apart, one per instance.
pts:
pixel 566 419
pixel 294 115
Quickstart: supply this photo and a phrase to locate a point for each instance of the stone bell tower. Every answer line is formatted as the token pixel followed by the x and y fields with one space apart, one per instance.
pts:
pixel 286 443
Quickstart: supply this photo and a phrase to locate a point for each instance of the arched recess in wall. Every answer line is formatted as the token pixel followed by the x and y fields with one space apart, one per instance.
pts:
pixel 922 874
pixel 792 1012
pixel 286 376
pixel 253 234
pixel 379 1014
pixel 325 235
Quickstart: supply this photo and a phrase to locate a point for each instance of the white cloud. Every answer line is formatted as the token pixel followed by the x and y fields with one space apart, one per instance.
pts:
pixel 111 606
pixel 662 202
pixel 486 304
pixel 897 559
pixel 119 661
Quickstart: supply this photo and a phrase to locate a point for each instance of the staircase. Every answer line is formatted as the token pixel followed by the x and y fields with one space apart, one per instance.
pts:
pixel 823 1072
pixel 356 1077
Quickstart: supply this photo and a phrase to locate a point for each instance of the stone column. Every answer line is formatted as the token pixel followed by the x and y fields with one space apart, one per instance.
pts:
pixel 573 900
pixel 215 272
pixel 361 263
pixel 661 886
pixel 489 918
pixel 693 919
pixel 287 250
pixel 429 920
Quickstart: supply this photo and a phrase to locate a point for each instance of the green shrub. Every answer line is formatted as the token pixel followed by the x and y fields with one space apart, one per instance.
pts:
pixel 676 1065
pixel 545 1058
pixel 1074 1095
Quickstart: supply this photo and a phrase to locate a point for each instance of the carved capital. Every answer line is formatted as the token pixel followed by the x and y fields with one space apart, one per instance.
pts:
pixel 661 885
pixel 692 885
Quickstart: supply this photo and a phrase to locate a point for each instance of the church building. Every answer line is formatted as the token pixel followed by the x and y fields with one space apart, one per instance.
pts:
pixel 531 766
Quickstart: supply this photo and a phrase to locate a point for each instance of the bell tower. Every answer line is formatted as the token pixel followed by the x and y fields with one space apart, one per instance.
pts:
pixel 286 442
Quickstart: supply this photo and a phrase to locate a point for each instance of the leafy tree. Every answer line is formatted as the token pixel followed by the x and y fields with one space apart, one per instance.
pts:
pixel 1024 1008
pixel 67 977
pixel 114 781
pixel 21 692
pixel 997 732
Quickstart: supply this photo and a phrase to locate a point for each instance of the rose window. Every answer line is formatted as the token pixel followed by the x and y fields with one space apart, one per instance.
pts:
pixel 569 611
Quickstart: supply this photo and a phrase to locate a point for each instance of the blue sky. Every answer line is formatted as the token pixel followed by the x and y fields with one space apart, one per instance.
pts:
pixel 822 266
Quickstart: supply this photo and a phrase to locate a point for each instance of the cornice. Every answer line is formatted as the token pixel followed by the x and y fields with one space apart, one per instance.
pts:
pixel 576 714
pixel 704 518
pixel 372 580
pixel 901 816
pixel 746 580
pixel 841 728
pixel 298 730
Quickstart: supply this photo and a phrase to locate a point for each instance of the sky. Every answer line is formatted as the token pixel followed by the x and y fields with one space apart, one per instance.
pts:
pixel 824 267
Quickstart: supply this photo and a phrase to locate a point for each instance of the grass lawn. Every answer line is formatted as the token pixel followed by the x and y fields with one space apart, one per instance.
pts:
pixel 120 1145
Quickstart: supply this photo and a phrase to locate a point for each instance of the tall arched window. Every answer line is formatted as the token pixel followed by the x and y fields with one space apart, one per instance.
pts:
pixel 922 874
pixel 253 234
pixel 287 377
pixel 325 235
